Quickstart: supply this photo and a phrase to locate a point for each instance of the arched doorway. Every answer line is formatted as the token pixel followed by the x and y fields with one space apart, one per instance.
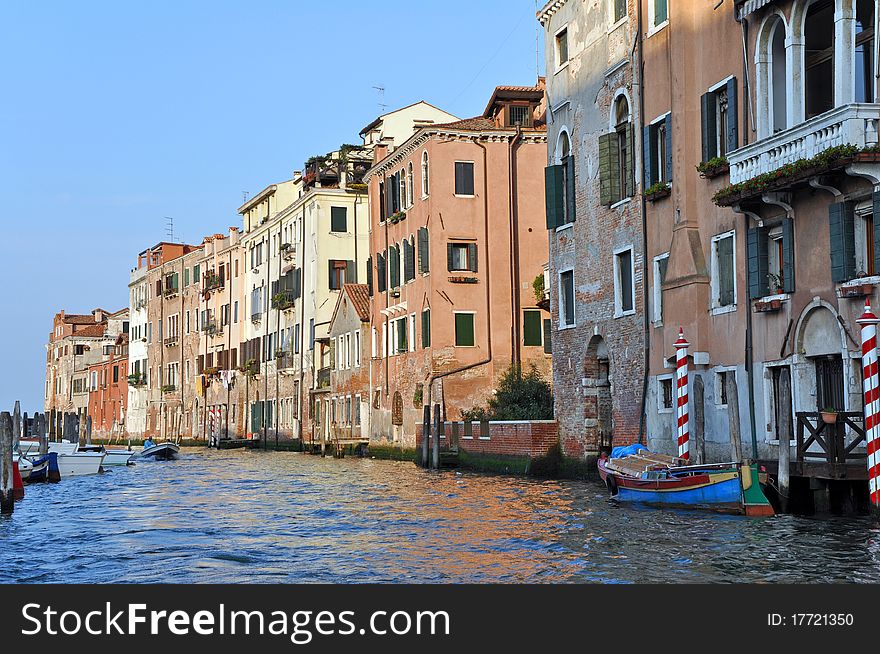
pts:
pixel 822 375
pixel 597 396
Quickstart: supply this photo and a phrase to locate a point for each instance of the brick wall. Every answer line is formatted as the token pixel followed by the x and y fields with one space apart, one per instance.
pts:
pixel 515 438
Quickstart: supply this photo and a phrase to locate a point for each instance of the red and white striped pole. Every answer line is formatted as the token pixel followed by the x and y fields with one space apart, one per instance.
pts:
pixel 869 321
pixel 682 412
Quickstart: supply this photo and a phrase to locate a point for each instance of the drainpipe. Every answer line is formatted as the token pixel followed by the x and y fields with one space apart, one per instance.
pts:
pixel 750 350
pixel 302 327
pixel 640 68
pixel 515 301
pixel 488 358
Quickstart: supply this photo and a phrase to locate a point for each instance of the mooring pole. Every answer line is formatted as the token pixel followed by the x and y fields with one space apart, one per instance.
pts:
pixel 426 434
pixel 682 410
pixel 869 321
pixel 16 425
pixel 435 451
pixel 7 493
pixel 44 439
pixel 733 416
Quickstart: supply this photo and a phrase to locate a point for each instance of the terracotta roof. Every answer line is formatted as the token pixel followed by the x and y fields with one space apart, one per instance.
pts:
pixel 360 299
pixel 80 320
pixel 91 330
pixel 477 123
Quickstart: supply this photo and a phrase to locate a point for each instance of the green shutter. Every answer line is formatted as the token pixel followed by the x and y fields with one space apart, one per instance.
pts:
pixel 616 190
pixel 424 261
pixel 554 195
pixel 709 126
pixel 548 334
pixel 532 328
pixel 330 274
pixel 338 219
pixel 186 276
pixel 650 157
pixel 426 328
pixel 628 189
pixel 758 283
pixel 841 225
pixel 570 192
pixel 381 273
pixel 732 135
pixel 370 276
pixel 464 330
pixel 606 145
pixel 668 122
pixel 351 275
pixel 472 257
pixel 788 255
pixel 449 257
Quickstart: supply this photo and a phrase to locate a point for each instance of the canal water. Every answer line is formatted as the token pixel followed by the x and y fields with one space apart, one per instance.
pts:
pixel 258 517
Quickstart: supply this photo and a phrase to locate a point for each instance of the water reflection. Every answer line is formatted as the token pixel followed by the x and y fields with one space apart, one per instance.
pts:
pixel 254 517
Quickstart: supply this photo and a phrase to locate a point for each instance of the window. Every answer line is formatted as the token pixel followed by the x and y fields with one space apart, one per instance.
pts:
pixel 771 259
pixel 464 330
pixel 559 188
pixel 718 116
pixel 819 58
pixel 562 47
pixel 619 10
pixel 394 266
pixel 357 349
pixel 724 271
pixel 866 255
pixel 778 79
pixel 722 378
pixel 464 178
pixel 381 275
pixel 410 189
pixel 665 394
pixel 519 115
pixel 383 209
pixel 424 251
pixel 401 180
pixel 659 12
pixel 426 328
pixel 409 260
pixel 616 157
pixel 624 289
pixel 339 219
pixel 400 328
pixel 532 328
pixel 115 374
pixel 339 273
pixel 426 184
pixel 658 148
pixel 661 263
pixel 864 64
pixel 566 299
pixel 462 257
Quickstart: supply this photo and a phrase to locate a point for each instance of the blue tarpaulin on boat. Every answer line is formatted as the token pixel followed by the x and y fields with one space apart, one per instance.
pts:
pixel 626 450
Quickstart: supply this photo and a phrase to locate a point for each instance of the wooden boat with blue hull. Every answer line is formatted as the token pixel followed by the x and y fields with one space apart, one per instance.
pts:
pixel 656 479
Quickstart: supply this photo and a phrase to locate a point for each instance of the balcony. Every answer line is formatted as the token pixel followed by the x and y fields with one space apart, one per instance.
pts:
pixel 212 282
pixel 171 291
pixel 323 378
pixel 288 251
pixel 137 380
pixel 852 124
pixel 210 327
pixel 286 362
pixel 171 341
pixel 283 300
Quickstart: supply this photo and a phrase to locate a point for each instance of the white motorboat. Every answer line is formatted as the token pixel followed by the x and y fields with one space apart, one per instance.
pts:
pixel 81 463
pixel 161 452
pixel 25 467
pixel 112 458
pixel 30 447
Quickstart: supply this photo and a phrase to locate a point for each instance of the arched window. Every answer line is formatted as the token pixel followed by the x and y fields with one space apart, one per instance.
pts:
pixel 864 64
pixel 563 153
pixel 409 185
pixel 778 78
pixel 402 189
pixel 819 58
pixel 426 188
pixel 624 146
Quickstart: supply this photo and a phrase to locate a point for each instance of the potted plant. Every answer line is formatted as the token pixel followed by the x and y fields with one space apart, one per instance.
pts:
pixel 657 191
pixel 829 415
pixel 714 167
pixel 775 282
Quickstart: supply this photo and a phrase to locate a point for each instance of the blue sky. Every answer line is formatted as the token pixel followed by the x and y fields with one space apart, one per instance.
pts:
pixel 117 114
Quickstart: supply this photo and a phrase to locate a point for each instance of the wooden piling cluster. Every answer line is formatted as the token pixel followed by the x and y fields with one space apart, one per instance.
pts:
pixel 7 474
pixel 434 430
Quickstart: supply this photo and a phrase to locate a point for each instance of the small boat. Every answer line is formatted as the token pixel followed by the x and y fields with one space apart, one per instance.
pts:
pixel 112 458
pixel 41 467
pixel 160 452
pixel 81 463
pixel 25 467
pixel 30 447
pixel 634 474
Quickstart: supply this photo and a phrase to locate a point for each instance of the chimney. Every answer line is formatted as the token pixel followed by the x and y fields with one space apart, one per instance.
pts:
pixel 99 315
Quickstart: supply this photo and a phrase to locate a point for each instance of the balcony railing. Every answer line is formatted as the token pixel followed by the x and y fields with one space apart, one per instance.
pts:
pixel 171 340
pixel 171 291
pixel 834 445
pixel 212 282
pixel 287 361
pixel 852 124
pixel 210 327
pixel 283 300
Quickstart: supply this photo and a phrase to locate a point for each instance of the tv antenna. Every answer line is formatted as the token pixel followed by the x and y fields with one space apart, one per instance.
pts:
pixel 169 228
pixel 244 195
pixel 382 105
